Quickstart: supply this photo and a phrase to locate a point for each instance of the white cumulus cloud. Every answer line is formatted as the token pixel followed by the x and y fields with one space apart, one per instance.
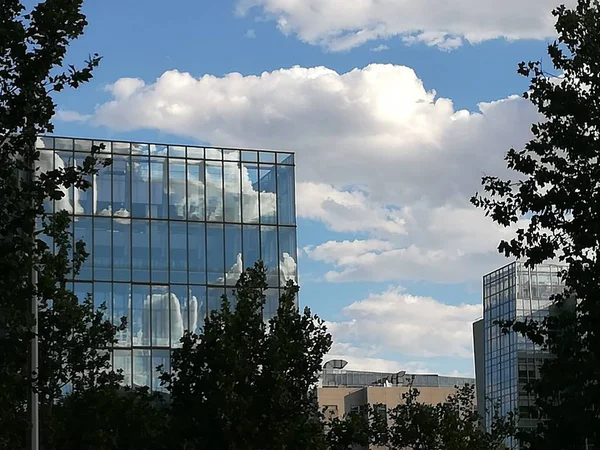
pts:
pixel 444 244
pixel 380 48
pixel 378 153
pixel 365 358
pixel 71 116
pixel 339 25
pixel 346 210
pixel 413 326
pixel 339 252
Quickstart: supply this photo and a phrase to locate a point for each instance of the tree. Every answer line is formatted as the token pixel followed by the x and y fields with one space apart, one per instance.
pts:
pixel 110 418
pixel 558 185
pixel 244 384
pixel 355 429
pixel 33 46
pixel 460 424
pixel 450 425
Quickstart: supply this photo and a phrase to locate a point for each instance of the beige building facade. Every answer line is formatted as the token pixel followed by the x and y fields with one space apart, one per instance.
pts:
pixel 344 391
pixel 341 400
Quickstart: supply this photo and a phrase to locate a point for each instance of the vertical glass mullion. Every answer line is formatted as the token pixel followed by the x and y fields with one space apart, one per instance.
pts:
pixel 203 312
pixel 130 194
pixel 169 225
pixel 276 190
pixel 241 194
pixel 223 219
pixel 112 199
pixel 187 246
pixel 259 189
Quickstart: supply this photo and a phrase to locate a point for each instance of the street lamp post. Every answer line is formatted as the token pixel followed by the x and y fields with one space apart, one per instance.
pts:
pixel 33 398
pixel 33 405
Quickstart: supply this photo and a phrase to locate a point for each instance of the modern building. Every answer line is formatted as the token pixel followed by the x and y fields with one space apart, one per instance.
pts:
pixel 169 230
pixel 343 391
pixel 505 363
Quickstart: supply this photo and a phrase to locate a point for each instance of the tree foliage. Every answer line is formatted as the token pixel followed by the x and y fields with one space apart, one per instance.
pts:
pixel 557 184
pixel 238 384
pixel 110 418
pixel 33 46
pixel 244 384
pixel 450 425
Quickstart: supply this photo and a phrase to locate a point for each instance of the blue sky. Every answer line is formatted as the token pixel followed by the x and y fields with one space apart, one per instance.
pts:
pixel 394 108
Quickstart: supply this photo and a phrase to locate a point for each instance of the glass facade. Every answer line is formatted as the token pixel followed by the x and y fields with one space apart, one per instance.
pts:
pixel 356 379
pixel 510 361
pixel 169 230
pixel 335 374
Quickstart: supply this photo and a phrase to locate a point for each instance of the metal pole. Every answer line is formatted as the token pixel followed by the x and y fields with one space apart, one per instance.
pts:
pixel 33 398
pixel 33 406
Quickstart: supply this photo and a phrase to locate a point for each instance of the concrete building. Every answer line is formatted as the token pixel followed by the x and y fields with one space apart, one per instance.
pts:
pixel 344 391
pixel 169 229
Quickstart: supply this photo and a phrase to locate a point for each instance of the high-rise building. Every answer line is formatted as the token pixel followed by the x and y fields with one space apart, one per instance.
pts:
pixel 510 361
pixel 169 229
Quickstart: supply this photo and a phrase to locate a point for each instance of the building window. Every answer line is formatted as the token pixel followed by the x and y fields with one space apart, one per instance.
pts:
pixel 381 411
pixel 357 409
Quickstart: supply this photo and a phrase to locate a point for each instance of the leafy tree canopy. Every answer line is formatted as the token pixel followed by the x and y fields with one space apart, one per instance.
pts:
pixel 450 425
pixel 242 383
pixel 33 45
pixel 557 183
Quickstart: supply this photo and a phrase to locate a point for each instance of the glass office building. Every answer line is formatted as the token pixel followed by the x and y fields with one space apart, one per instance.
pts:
pixel 169 230
pixel 509 360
